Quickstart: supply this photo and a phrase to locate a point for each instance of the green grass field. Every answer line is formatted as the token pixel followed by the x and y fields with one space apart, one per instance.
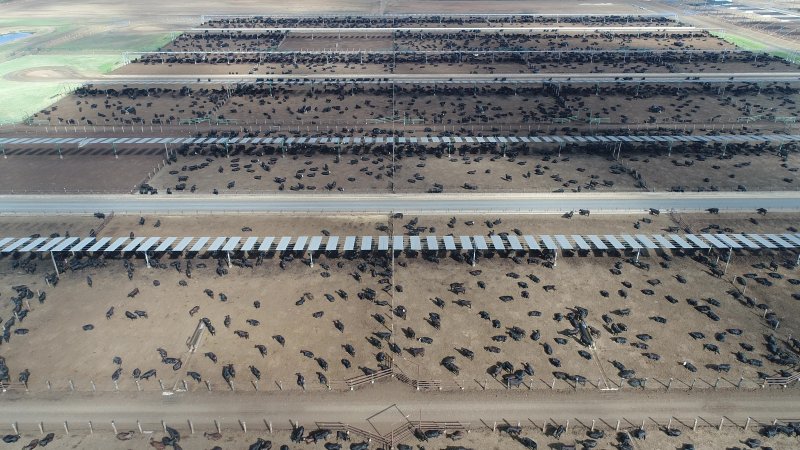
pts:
pixel 22 98
pixel 751 45
pixel 53 46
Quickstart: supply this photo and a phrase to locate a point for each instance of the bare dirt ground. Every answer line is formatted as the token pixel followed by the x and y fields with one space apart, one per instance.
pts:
pixel 45 226
pixel 30 174
pixel 83 355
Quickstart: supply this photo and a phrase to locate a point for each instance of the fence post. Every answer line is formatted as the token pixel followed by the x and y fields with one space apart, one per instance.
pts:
pixel 747 424
pixel 94 388
pixel 544 426
pixel 191 426
pixel 164 426
pixel 593 424
pixel 716 383
pixel 721 421
pixel 91 428
pixel 139 426
pixel 66 427
pixel 216 424
pixel 739 384
pixel 14 426
pixel 244 425
pixel 114 427
pixel 617 429
pixel 270 427
pixel 669 384
pixel 71 385
pixel 669 425
pixel 566 428
pixel 694 428
pixel 494 427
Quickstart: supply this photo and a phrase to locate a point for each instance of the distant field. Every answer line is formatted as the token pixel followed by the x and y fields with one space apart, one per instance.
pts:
pixel 21 98
pixel 60 47
pixel 114 41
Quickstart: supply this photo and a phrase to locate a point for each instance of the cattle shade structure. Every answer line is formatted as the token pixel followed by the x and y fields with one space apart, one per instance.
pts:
pixel 279 140
pixel 314 243
pixel 266 243
pixel 505 243
pixel 332 244
pixel 165 244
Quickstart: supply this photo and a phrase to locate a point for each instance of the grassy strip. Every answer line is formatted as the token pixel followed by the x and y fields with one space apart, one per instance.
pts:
pixel 751 45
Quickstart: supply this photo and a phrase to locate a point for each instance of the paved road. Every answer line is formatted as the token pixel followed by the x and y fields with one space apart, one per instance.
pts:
pixel 685 77
pixel 384 203
pixel 354 408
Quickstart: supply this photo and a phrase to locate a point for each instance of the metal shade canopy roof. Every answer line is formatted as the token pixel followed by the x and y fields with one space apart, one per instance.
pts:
pixel 97 245
pixel 497 242
pixel 249 244
pixel 283 244
pixel 366 243
pixel 514 242
pixel 504 242
pixel 548 242
pixel 116 244
pixel 314 243
pixel 598 243
pixel 300 243
pixel 231 244
pixel 480 243
pixel 17 244
pixel 199 244
pixel 449 243
pixel 332 244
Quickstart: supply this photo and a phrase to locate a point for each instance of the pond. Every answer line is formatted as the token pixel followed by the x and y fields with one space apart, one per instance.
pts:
pixel 11 37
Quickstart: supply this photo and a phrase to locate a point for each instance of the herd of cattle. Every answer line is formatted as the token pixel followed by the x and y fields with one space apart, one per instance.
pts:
pixel 438 21
pixel 505 305
pixel 364 109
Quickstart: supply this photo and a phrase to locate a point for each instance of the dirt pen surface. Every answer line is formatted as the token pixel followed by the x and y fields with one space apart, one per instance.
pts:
pixel 429 108
pixel 265 169
pixel 488 171
pixel 477 439
pixel 476 322
pixel 73 174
